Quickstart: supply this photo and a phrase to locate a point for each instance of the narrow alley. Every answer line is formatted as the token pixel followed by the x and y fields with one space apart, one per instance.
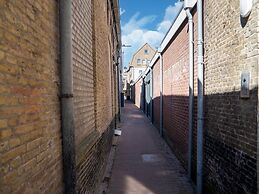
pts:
pixel 178 78
pixel 144 163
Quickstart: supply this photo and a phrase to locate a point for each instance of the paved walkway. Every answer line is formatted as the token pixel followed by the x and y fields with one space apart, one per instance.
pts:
pixel 143 163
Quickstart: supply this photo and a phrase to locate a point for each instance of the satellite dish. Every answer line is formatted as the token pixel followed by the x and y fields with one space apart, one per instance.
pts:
pixel 245 7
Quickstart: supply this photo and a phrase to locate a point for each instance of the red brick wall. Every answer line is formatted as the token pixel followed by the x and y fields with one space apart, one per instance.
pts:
pixel 30 135
pixel 176 92
pixel 230 121
pixel 156 94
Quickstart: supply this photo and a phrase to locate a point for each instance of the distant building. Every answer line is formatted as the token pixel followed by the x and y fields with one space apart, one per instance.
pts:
pixel 137 66
pixel 140 61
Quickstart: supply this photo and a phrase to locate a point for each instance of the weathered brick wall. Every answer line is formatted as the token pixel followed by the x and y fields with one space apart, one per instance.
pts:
pixel 176 90
pixel 30 131
pixel 230 121
pixel 175 93
pixel 95 88
pixel 104 66
pixel 156 94
pixel 30 135
pixel 83 70
pixel 83 84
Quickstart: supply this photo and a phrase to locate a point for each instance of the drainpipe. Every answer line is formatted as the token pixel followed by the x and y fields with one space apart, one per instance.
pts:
pixel 161 92
pixel 191 62
pixel 118 90
pixel 200 99
pixel 119 83
pixel 67 109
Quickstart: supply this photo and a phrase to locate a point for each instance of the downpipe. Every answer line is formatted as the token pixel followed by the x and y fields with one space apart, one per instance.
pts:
pixel 191 67
pixel 119 90
pixel 200 99
pixel 161 94
pixel 67 109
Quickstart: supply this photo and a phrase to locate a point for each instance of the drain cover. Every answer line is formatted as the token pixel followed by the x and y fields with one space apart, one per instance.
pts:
pixel 150 158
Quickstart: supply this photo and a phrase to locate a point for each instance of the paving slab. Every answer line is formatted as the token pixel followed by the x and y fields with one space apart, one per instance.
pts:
pixel 143 162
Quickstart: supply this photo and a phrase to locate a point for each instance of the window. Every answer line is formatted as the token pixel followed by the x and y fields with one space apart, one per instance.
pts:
pixel 148 62
pixel 146 51
pixel 144 62
pixel 139 61
pixel 140 71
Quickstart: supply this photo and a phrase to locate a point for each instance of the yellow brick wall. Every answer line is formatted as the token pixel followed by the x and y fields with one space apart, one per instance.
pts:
pixel 30 136
pixel 30 128
pixel 95 85
pixel 104 66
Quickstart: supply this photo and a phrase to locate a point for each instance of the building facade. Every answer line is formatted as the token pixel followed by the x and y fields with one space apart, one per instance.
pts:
pixel 138 64
pixel 230 118
pixel 33 145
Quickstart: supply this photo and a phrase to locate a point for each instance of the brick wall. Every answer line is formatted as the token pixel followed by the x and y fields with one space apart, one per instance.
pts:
pixel 83 70
pixel 230 121
pixel 30 135
pixel 139 93
pixel 83 83
pixel 104 66
pixel 95 88
pixel 156 94
pixel 175 93
pixel 30 126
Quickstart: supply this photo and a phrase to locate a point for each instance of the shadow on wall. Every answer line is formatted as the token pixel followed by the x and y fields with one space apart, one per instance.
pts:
pixel 230 133
pixel 133 93
pixel 91 156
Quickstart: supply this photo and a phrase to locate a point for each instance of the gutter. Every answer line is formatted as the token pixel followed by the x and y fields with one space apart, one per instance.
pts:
pixel 67 107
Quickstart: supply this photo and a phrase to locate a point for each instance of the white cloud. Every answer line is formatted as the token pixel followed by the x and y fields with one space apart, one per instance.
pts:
pixel 164 26
pixel 172 11
pixel 122 11
pixel 170 15
pixel 136 33
pixel 136 23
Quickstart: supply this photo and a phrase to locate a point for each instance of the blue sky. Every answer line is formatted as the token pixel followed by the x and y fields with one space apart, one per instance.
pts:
pixel 145 21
